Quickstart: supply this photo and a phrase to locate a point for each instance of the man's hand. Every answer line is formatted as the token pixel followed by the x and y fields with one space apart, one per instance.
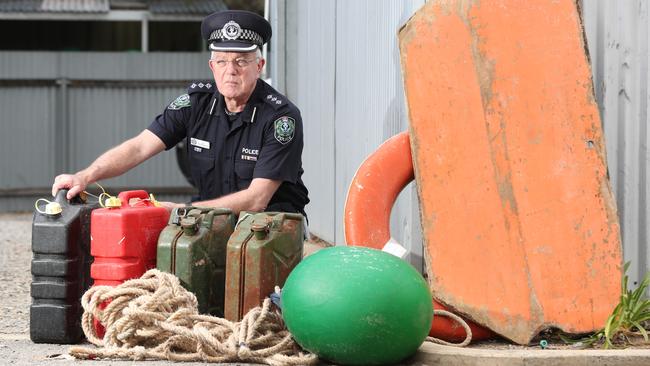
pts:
pixel 75 183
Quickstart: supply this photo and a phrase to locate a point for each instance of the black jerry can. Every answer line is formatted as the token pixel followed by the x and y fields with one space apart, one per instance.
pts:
pixel 60 271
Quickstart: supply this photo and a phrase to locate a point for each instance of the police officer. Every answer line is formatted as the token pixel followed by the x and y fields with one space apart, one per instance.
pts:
pixel 244 139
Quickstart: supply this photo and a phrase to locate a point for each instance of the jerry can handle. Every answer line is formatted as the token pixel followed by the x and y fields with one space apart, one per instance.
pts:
pixel 217 210
pixel 279 218
pixel 203 210
pixel 212 215
pixel 60 197
pixel 181 212
pixel 222 211
pixel 208 218
pixel 126 196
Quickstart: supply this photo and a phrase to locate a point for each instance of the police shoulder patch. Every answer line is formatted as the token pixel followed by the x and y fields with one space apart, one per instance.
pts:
pixel 284 129
pixel 181 102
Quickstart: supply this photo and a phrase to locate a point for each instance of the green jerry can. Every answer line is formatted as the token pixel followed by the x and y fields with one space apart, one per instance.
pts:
pixel 262 251
pixel 193 247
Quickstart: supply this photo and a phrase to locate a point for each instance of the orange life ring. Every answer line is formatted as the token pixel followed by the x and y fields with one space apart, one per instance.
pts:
pixel 373 191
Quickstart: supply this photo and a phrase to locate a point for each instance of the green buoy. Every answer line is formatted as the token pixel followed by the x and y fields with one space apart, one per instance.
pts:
pixel 357 306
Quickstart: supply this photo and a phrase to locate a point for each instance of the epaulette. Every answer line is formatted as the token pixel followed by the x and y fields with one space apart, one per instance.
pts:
pixel 276 100
pixel 201 86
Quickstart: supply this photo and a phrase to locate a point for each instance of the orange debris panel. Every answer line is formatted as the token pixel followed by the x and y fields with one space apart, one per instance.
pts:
pixel 519 221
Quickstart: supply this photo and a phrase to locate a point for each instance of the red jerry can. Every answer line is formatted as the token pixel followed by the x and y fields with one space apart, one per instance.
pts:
pixel 123 238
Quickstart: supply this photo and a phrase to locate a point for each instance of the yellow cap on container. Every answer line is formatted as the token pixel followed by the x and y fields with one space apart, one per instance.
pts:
pixel 154 201
pixel 113 202
pixel 53 208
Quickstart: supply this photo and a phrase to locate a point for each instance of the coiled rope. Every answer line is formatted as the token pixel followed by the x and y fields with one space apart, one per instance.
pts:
pixel 154 317
pixel 459 320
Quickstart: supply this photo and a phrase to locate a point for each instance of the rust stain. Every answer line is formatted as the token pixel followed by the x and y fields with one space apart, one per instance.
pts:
pixel 484 68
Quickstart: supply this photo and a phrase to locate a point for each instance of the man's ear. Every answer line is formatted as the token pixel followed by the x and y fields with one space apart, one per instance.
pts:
pixel 260 65
pixel 211 65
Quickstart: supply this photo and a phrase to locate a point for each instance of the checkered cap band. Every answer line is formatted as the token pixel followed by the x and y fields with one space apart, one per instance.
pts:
pixel 246 35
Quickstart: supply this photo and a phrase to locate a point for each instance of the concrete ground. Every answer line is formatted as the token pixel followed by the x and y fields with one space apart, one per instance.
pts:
pixel 17 349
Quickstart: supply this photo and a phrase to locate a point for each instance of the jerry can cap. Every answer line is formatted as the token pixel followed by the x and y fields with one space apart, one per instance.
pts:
pixel 190 225
pixel 260 224
pixel 260 227
pixel 53 208
pixel 113 202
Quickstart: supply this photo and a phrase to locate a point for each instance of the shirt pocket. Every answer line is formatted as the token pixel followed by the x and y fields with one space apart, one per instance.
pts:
pixel 244 172
pixel 202 165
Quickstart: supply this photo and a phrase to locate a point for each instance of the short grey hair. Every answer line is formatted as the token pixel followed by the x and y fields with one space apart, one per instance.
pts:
pixel 258 53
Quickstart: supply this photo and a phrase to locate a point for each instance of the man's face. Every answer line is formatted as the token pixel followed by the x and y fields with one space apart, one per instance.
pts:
pixel 235 73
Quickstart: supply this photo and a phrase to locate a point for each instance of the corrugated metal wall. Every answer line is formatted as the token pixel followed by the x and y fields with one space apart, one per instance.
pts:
pixel 60 110
pixel 341 67
pixel 313 37
pixel 617 33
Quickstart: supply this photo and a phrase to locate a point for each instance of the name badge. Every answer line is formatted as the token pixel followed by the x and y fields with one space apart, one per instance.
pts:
pixel 199 143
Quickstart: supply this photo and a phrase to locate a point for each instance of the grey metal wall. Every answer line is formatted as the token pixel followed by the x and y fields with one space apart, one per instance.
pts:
pixel 617 33
pixel 341 67
pixel 60 110
pixel 308 40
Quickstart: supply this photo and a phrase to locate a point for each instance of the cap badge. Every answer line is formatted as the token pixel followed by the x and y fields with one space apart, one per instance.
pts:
pixel 231 30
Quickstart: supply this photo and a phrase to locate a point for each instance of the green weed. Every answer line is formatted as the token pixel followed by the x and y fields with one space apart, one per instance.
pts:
pixel 628 320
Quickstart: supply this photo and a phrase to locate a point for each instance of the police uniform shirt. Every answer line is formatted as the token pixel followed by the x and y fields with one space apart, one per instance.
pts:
pixel 265 140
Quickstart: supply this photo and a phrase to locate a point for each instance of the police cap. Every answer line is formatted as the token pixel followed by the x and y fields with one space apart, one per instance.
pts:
pixel 235 31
